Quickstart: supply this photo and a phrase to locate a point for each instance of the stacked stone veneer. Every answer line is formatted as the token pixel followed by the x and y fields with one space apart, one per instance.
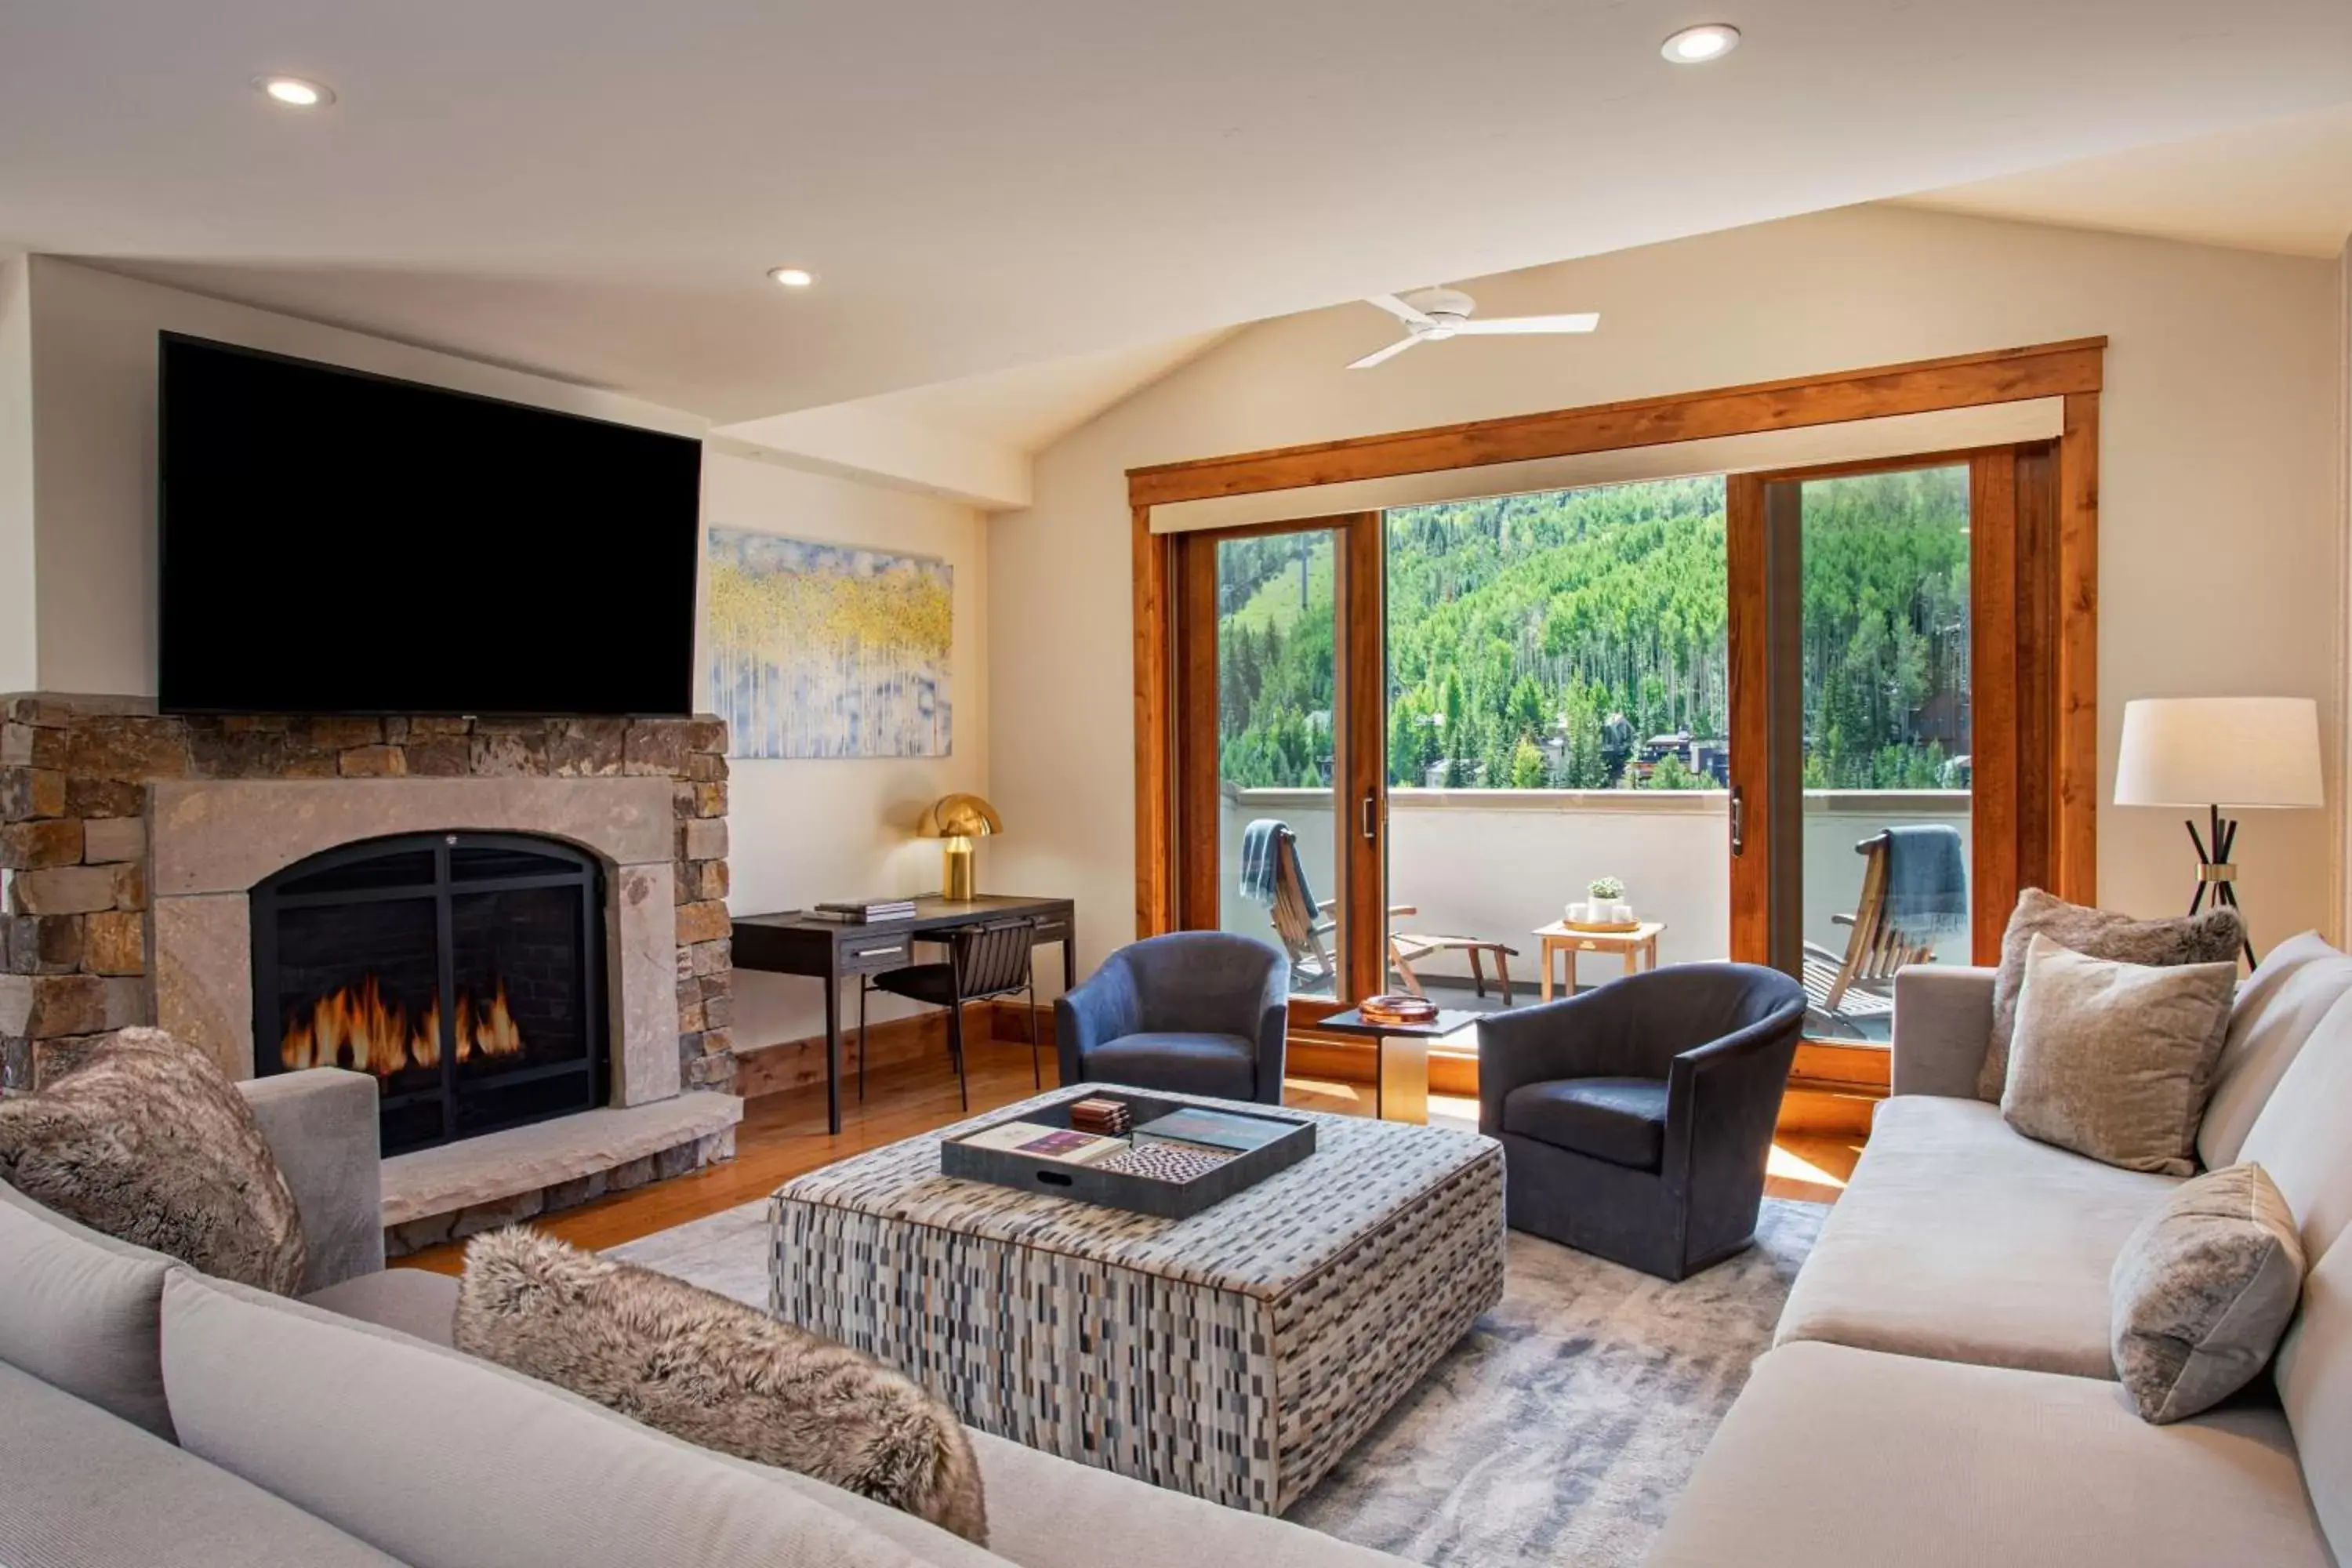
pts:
pixel 76 949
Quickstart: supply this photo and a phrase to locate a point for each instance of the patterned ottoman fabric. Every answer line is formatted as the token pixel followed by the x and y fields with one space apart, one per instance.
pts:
pixel 1235 1355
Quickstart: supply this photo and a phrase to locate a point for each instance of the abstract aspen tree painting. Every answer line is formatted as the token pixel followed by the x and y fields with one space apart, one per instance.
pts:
pixel 822 650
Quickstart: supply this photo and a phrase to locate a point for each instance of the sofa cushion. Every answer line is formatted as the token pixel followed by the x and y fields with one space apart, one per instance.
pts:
pixel 2208 938
pixel 2303 1135
pixel 79 1311
pixel 1959 1239
pixel 148 1141
pixel 308 1405
pixel 1220 1065
pixel 2278 1007
pixel 416 1301
pixel 718 1373
pixel 2113 1059
pixel 82 1490
pixel 1939 1465
pixel 2314 1375
pixel 2202 1291
pixel 1620 1120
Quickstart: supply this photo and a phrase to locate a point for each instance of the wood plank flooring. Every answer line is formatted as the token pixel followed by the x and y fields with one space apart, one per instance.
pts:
pixel 783 1136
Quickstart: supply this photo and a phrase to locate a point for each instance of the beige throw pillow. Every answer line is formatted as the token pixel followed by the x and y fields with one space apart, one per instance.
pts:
pixel 699 1366
pixel 2113 1060
pixel 2209 938
pixel 2202 1292
pixel 147 1142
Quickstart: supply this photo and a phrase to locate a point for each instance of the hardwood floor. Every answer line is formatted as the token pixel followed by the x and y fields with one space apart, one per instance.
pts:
pixel 783 1136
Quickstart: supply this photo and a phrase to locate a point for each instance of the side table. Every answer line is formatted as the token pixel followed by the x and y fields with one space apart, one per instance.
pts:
pixel 1401 1089
pixel 1639 946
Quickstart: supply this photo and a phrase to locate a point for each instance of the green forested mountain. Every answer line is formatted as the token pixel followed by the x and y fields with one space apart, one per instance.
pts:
pixel 1518 625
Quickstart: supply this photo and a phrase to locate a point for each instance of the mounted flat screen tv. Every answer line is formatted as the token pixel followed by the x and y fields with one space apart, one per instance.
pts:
pixel 338 542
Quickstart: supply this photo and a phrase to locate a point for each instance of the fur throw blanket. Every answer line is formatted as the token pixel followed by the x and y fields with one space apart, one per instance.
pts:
pixel 147 1140
pixel 709 1370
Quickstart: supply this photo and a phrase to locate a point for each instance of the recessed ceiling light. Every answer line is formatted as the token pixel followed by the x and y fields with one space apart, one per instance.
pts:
pixel 792 276
pixel 1692 46
pixel 296 92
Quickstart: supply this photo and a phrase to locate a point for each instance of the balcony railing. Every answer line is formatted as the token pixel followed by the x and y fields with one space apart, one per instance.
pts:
pixel 1500 863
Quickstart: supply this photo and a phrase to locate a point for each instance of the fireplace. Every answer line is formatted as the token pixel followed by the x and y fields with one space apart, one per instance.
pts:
pixel 462 970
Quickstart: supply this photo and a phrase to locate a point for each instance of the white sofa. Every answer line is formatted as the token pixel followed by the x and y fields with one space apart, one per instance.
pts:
pixel 152 1416
pixel 1941 1391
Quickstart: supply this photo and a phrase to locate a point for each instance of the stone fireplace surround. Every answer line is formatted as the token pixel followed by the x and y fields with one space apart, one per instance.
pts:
pixel 131 841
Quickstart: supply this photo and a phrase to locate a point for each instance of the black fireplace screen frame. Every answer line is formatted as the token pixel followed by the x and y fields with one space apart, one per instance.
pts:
pixel 583 870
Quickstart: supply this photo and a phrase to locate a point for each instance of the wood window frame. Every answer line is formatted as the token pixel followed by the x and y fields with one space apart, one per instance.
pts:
pixel 2071 370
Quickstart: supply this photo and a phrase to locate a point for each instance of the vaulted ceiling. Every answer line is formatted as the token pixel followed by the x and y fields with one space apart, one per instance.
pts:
pixel 594 189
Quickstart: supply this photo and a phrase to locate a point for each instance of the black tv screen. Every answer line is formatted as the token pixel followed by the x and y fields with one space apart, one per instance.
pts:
pixel 339 543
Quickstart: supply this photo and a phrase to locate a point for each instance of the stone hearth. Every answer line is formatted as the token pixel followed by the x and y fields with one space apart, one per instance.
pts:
pixel 130 842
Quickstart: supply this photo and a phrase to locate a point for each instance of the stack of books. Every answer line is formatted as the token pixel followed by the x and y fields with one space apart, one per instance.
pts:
pixel 863 911
pixel 1108 1118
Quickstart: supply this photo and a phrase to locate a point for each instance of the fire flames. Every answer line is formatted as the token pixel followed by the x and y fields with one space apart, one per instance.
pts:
pixel 355 1027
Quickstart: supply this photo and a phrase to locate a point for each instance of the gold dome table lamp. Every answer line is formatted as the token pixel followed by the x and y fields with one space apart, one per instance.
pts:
pixel 959 819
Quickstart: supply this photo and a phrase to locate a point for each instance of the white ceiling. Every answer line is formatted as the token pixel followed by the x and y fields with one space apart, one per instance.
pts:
pixel 2284 186
pixel 1030 407
pixel 593 188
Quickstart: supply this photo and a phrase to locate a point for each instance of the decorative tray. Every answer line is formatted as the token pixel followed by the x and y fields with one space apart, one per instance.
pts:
pixel 1292 1141
pixel 1603 928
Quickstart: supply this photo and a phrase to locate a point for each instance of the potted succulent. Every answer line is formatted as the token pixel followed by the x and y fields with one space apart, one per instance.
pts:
pixel 1608 906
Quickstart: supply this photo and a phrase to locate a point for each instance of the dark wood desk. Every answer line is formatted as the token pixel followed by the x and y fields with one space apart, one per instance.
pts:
pixel 796 942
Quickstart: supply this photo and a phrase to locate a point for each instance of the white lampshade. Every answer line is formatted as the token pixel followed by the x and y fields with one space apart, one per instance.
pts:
pixel 2239 751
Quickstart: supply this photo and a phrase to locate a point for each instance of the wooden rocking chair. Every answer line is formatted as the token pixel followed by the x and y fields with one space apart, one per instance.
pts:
pixel 1302 924
pixel 1860 984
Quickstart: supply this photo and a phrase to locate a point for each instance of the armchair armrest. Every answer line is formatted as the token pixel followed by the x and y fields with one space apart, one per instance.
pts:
pixel 1943 1023
pixel 321 1124
pixel 1723 1101
pixel 1102 1007
pixel 1578 1037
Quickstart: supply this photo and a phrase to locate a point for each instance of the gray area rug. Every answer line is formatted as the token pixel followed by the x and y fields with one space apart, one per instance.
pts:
pixel 1559 1430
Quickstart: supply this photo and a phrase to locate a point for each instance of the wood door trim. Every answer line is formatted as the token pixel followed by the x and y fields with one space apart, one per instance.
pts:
pixel 1996 781
pixel 1748 627
pixel 1155 757
pixel 2075 826
pixel 1363 754
pixel 2005 375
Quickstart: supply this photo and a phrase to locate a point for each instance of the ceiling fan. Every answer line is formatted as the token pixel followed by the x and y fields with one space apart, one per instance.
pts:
pixel 1433 315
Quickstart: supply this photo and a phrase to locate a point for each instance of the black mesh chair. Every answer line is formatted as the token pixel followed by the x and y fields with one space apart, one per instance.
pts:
pixel 1636 1118
pixel 984 961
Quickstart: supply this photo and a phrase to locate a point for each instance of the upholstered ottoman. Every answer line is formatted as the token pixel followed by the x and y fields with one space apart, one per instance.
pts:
pixel 1235 1355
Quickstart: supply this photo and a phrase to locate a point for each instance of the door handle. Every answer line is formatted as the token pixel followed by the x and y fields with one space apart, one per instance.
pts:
pixel 1371 827
pixel 1738 820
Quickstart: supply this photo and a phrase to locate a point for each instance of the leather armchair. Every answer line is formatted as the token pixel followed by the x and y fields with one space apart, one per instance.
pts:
pixel 1636 1118
pixel 1196 1012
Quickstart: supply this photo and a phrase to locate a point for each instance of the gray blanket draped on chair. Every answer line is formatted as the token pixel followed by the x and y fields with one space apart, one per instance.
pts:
pixel 1927 880
pixel 1261 860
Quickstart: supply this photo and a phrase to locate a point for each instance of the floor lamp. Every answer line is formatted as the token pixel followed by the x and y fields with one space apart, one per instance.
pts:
pixel 2238 752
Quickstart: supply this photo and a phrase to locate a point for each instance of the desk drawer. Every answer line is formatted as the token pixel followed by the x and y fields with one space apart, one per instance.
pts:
pixel 871 954
pixel 1055 928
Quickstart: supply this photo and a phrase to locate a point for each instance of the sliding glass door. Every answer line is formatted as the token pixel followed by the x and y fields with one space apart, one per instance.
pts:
pixel 1894 793
pixel 1279 723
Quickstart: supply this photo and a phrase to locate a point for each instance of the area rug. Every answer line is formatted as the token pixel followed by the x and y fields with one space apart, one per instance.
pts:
pixel 1559 1430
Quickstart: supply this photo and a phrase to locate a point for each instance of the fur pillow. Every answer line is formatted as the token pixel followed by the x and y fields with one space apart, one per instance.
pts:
pixel 147 1142
pixel 2212 937
pixel 709 1370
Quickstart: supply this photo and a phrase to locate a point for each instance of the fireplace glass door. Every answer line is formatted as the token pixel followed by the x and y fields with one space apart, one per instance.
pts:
pixel 462 970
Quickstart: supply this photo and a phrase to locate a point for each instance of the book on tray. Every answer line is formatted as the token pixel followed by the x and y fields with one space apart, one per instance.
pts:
pixel 1219 1131
pixel 1042 1142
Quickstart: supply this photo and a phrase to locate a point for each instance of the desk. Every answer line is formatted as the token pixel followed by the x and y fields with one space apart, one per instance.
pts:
pixel 796 942
pixel 1637 945
pixel 1401 1057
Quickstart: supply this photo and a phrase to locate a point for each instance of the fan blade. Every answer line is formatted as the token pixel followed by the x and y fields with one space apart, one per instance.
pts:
pixel 1583 321
pixel 1400 311
pixel 1391 351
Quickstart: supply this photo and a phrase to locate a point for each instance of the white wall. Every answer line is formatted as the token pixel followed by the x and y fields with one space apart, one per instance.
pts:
pixel 2222 548
pixel 93 380
pixel 802 831
pixel 19 647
